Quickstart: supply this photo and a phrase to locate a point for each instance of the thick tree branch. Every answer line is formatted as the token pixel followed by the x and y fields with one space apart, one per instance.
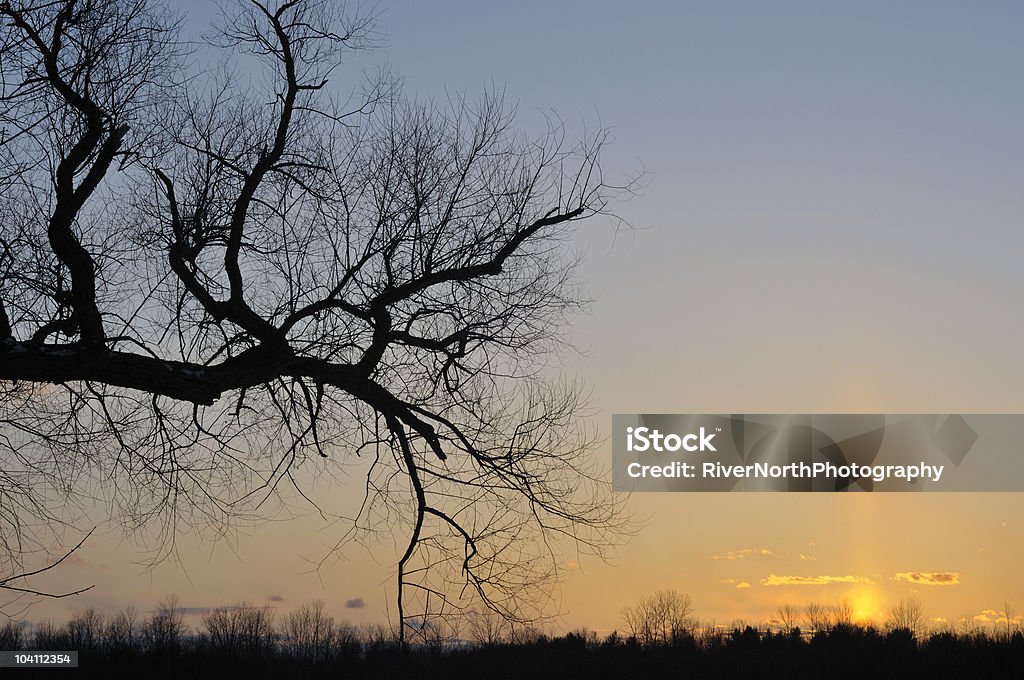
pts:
pixel 5 322
pixel 268 158
pixel 100 141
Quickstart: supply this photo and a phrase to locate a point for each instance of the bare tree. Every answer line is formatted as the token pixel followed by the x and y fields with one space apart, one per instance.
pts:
pixel 123 630
pixel 309 632
pixel 1009 619
pixel 908 615
pixel 48 635
pixel 486 627
pixel 817 617
pixel 86 630
pixel 242 629
pixel 165 628
pixel 525 634
pixel 12 635
pixel 842 612
pixel 659 618
pixel 210 292
pixel 787 618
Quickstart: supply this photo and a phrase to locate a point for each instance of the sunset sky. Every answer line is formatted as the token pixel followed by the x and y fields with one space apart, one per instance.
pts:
pixel 832 222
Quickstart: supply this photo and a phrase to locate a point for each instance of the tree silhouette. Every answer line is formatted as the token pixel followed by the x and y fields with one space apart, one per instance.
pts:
pixel 309 632
pixel 787 618
pixel 212 289
pixel 908 615
pixel 817 617
pixel 660 618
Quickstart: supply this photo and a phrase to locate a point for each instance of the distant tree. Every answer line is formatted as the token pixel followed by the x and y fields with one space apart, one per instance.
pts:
pixel 842 612
pixel 12 635
pixel 213 289
pixel 437 634
pixel 163 632
pixel 817 617
pixel 486 627
pixel 123 630
pixel 309 632
pixel 525 634
pixel 1009 619
pixel 346 641
pixel 86 630
pixel 242 629
pixel 908 615
pixel 48 635
pixel 659 618
pixel 787 618
pixel 966 626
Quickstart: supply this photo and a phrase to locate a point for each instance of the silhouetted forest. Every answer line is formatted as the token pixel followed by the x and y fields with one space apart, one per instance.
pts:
pixel 248 642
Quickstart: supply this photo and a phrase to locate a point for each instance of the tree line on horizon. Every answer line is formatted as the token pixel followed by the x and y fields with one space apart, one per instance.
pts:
pixel 667 614
pixel 660 632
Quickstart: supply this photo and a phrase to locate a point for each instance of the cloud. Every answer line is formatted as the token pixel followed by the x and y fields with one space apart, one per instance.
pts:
pixel 742 584
pixel 742 554
pixel 728 581
pixel 571 564
pixel 998 617
pixel 355 603
pixel 930 578
pixel 275 598
pixel 807 558
pixel 774 580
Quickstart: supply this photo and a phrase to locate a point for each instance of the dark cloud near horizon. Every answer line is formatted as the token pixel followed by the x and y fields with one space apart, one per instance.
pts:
pixel 275 598
pixel 355 603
